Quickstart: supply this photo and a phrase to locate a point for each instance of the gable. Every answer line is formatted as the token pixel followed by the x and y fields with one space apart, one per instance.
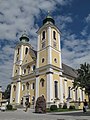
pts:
pixel 27 59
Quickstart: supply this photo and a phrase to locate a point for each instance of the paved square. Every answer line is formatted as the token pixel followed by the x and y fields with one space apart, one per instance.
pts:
pixel 30 115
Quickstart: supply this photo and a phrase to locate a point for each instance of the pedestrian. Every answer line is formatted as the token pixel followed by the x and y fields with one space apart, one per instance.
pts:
pixel 27 104
pixel 85 106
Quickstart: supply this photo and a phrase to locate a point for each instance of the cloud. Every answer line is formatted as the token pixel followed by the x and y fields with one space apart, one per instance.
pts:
pixel 62 21
pixel 88 18
pixel 75 51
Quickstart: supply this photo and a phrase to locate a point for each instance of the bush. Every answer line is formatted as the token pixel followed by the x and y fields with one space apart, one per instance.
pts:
pixel 71 107
pixel 64 106
pixel 53 107
pixel 9 107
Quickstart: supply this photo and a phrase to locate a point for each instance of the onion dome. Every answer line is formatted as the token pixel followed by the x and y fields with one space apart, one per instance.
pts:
pixel 48 19
pixel 24 37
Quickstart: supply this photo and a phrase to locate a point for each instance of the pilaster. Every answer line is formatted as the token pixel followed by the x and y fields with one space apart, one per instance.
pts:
pixel 18 92
pixel 37 88
pixel 66 89
pixel 61 90
pixel 49 87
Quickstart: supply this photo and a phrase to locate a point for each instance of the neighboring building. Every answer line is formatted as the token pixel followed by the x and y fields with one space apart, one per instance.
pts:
pixel 41 72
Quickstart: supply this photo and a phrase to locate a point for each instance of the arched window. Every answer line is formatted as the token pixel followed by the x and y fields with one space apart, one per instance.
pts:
pixel 43 60
pixel 27 85
pixel 69 92
pixel 43 35
pixel 54 35
pixel 18 51
pixel 26 51
pixel 24 71
pixel 28 67
pixel 42 82
pixel 56 89
pixel 14 87
pixel 34 67
pixel 16 71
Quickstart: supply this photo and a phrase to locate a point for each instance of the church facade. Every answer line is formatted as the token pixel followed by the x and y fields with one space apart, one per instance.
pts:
pixel 42 72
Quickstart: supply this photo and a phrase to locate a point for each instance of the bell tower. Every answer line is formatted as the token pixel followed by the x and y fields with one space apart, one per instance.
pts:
pixel 49 59
pixel 21 51
pixel 49 50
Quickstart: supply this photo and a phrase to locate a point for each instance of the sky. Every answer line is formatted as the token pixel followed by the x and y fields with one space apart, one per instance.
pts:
pixel 71 16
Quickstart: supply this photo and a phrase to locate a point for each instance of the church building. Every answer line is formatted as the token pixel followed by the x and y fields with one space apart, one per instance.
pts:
pixel 41 72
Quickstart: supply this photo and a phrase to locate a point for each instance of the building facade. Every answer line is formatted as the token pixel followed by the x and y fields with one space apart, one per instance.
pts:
pixel 42 72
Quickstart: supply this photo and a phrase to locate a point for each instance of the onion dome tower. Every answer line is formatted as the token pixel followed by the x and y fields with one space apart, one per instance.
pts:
pixel 48 19
pixel 24 37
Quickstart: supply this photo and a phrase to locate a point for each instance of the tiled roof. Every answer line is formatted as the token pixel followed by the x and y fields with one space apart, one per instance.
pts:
pixel 69 71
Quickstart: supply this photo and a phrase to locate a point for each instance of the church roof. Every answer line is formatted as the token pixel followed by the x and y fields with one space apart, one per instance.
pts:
pixel 69 71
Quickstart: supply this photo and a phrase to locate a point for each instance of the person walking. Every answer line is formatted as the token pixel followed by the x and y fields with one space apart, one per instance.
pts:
pixel 85 106
pixel 27 104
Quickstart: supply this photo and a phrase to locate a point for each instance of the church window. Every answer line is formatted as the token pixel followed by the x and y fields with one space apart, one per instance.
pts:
pixel 27 84
pixel 54 35
pixel 14 88
pixel 16 71
pixel 26 51
pixel 69 92
pixel 42 82
pixel 28 67
pixel 43 60
pixel 33 86
pixel 43 35
pixel 56 89
pixel 23 87
pixel 43 44
pixel 55 60
pixel 24 71
pixel 18 51
pixel 34 67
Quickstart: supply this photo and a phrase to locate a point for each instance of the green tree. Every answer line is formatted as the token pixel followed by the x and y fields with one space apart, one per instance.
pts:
pixel 7 92
pixel 83 79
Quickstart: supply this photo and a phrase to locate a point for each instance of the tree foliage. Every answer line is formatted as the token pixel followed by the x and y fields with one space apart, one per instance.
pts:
pixel 83 79
pixel 7 92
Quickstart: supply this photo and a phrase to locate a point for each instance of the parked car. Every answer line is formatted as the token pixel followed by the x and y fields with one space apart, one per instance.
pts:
pixel 3 107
